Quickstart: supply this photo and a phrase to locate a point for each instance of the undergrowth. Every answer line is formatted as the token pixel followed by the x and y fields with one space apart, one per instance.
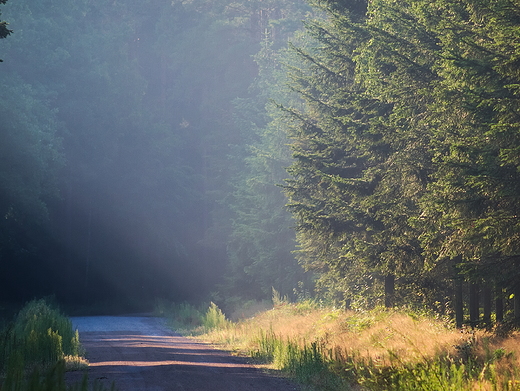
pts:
pixel 192 320
pixel 51 379
pixel 379 350
pixel 37 347
pixel 39 336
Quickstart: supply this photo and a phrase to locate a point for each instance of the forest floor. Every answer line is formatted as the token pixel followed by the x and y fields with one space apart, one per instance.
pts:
pixel 140 353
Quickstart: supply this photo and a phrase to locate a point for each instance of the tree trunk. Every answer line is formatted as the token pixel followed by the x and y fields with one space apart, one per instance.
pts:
pixel 486 303
pixel 517 304
pixel 473 304
pixel 499 304
pixel 389 290
pixel 459 304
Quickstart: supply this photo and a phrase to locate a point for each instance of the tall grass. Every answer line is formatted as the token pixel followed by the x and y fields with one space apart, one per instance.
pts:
pixel 52 379
pixel 39 336
pixel 379 350
pixel 192 320
pixel 305 362
pixel 214 318
pixel 36 348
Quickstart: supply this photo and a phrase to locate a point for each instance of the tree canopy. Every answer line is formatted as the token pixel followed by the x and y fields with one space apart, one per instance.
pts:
pixel 406 148
pixel 168 149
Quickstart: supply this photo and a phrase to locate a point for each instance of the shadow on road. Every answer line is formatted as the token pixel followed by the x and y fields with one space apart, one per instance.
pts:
pixel 136 361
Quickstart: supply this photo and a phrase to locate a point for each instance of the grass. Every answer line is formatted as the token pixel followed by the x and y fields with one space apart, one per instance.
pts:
pixel 330 349
pixel 38 337
pixel 51 379
pixel 191 320
pixel 37 348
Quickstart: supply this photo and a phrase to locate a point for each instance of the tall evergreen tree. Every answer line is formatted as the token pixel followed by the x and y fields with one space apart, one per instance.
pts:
pixel 475 139
pixel 261 242
pixel 433 90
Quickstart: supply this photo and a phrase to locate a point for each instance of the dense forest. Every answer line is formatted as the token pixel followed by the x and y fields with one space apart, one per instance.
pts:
pixel 128 171
pixel 363 153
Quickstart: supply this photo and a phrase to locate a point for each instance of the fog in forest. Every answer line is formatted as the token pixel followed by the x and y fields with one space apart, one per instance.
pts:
pixel 358 154
pixel 126 129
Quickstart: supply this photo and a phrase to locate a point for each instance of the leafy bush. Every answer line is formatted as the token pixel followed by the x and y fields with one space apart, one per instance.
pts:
pixel 214 318
pixel 40 336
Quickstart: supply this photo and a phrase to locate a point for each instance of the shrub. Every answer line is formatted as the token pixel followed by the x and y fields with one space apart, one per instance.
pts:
pixel 183 316
pixel 214 318
pixel 40 336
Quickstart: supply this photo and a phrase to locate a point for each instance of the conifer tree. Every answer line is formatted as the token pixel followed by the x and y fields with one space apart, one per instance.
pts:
pixel 435 145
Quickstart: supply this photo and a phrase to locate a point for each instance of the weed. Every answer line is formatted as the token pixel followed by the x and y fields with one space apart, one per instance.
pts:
pixel 43 335
pixel 279 299
pixel 36 348
pixel 214 318
pixel 379 350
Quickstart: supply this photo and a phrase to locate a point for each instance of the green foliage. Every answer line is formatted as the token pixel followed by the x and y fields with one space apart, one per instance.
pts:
pixel 39 337
pixel 214 318
pixel 404 149
pixel 38 318
pixel 434 376
pixel 36 349
pixel 351 176
pixel 306 363
pixel 180 316
pixel 51 380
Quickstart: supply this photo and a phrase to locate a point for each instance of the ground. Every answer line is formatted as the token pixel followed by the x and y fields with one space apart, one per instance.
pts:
pixel 141 353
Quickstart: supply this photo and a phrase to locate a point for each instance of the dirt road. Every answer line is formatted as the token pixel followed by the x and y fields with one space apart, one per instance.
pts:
pixel 140 353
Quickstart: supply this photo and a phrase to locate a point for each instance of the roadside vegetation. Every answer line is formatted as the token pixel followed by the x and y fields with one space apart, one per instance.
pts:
pixel 37 347
pixel 381 349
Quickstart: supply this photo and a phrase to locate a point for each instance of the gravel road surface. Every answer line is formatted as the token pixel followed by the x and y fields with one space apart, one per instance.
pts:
pixel 141 353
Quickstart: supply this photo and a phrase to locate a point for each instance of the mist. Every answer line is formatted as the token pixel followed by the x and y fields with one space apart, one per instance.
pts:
pixel 127 126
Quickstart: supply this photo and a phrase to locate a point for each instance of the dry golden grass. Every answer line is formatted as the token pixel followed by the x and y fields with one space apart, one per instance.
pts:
pixel 384 336
pixel 380 342
pixel 75 363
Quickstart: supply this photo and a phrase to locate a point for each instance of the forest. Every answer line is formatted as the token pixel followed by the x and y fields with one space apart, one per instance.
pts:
pixel 361 153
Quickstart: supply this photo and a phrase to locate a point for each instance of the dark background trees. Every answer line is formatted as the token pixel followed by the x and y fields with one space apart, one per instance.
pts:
pixel 123 146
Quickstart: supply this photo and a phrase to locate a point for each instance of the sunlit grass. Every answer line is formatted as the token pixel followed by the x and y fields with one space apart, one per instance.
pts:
pixel 379 335
pixel 37 348
pixel 377 350
pixel 39 336
pixel 75 363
